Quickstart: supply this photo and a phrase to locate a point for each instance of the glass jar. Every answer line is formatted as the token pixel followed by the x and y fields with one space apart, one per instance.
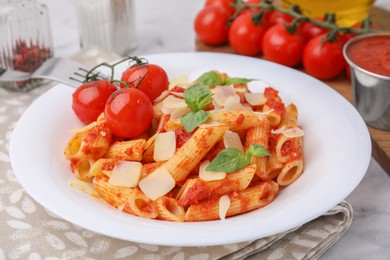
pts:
pixel 347 12
pixel 108 24
pixel 26 39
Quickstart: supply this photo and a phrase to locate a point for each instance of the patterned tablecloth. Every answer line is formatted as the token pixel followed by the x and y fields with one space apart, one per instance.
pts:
pixel 29 231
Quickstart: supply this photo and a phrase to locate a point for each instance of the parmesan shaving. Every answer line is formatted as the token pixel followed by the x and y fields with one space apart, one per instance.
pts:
pixel 178 80
pixel 210 124
pixel 221 94
pixel 126 174
pixel 290 132
pixel 234 103
pixel 157 184
pixel 224 205
pixel 84 187
pixel 209 175
pixel 173 102
pixel 163 95
pixel 179 112
pixel 265 113
pixel 232 140
pixel 164 146
pixel 255 99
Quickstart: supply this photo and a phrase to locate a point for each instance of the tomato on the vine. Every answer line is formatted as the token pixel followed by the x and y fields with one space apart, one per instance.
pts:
pixel 149 78
pixel 283 47
pixel 226 4
pixel 245 37
pixel 210 25
pixel 324 60
pixel 310 30
pixel 277 17
pixel 89 99
pixel 128 112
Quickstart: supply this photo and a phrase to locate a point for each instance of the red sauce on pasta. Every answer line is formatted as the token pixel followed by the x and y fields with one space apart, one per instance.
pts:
pixel 274 101
pixel 372 54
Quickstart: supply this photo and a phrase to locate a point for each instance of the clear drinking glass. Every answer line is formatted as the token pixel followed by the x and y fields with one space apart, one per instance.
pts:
pixel 108 24
pixel 25 39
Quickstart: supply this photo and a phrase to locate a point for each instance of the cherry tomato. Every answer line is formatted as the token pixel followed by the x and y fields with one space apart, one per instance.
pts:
pixel 245 37
pixel 225 4
pixel 324 60
pixel 89 99
pixel 149 78
pixel 277 17
pixel 309 30
pixel 210 25
pixel 128 112
pixel 282 47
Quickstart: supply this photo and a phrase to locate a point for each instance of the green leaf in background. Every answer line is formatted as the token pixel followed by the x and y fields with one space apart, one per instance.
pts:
pixel 210 78
pixel 232 159
pixel 233 81
pixel 193 119
pixel 197 96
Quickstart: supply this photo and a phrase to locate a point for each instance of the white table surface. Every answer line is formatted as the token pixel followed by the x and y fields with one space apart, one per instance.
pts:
pixel 167 26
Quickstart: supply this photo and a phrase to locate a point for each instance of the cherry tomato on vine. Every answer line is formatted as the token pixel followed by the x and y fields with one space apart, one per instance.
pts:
pixel 225 4
pixel 210 25
pixel 89 99
pixel 128 112
pixel 245 37
pixel 277 17
pixel 324 60
pixel 310 30
pixel 282 47
pixel 149 78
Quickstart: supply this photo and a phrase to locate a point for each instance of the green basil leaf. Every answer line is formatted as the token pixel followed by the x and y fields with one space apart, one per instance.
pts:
pixel 228 160
pixel 193 119
pixel 233 81
pixel 232 159
pixel 197 96
pixel 256 150
pixel 210 78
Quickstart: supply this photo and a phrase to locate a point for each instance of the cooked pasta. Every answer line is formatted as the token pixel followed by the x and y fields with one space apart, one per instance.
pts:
pixel 232 157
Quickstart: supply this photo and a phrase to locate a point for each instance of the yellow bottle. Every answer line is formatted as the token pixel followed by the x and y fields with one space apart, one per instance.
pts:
pixel 348 12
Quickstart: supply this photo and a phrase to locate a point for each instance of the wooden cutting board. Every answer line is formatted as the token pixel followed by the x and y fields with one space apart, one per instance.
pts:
pixel 380 139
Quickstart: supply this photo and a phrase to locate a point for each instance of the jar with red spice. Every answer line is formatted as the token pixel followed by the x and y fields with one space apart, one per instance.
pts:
pixel 25 39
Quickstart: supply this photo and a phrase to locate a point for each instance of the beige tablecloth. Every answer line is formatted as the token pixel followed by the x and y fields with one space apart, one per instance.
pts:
pixel 28 231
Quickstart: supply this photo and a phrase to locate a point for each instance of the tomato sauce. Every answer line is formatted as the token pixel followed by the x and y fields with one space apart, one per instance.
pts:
pixel 372 54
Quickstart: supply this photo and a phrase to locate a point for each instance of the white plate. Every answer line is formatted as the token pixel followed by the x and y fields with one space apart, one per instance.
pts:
pixel 337 152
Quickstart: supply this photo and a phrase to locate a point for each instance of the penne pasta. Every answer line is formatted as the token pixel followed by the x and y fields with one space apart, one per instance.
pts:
pixel 250 199
pixel 90 142
pixel 131 150
pixel 290 172
pixel 130 200
pixel 196 190
pixel 186 158
pixel 259 135
pixel 235 120
pixel 170 210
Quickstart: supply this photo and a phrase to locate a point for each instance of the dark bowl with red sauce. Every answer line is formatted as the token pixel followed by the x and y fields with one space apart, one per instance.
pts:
pixel 369 59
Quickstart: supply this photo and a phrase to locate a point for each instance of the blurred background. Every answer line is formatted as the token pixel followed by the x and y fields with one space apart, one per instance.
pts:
pixel 156 31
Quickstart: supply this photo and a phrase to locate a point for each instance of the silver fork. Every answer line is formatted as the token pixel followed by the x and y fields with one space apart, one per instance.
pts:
pixel 62 70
